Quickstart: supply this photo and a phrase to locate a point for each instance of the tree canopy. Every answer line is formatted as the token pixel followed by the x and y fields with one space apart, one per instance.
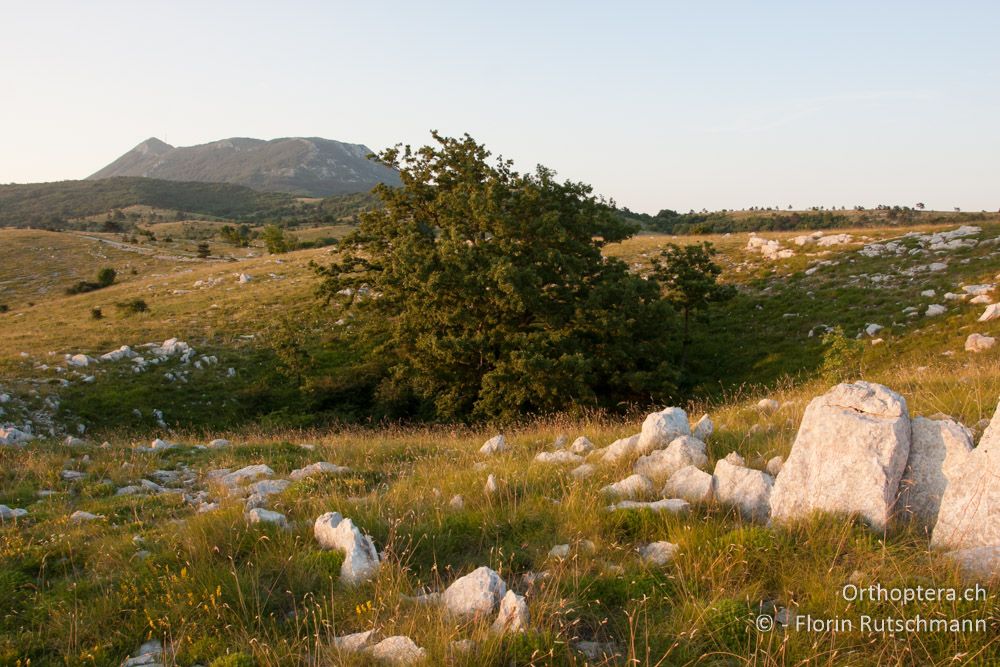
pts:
pixel 485 292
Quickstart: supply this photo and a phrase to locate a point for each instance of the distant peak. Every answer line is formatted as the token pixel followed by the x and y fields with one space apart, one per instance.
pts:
pixel 153 145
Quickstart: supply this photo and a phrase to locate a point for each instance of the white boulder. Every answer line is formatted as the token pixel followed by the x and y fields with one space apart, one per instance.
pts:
pixel 620 449
pixel 768 405
pixel 658 553
pixel 8 513
pixel 689 483
pixel 581 446
pixel 937 449
pixel 397 650
pixel 314 469
pixel 494 445
pixel 671 505
pixel 660 428
pixel 246 474
pixel 513 615
pixel 703 429
pixel 979 343
pixel 660 464
pixel 848 455
pixel 260 515
pixel 991 313
pixel 633 486
pixel 744 488
pixel 361 560
pixel 477 593
pixel 559 457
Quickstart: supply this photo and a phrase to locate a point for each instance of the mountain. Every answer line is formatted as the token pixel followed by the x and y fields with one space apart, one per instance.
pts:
pixel 311 167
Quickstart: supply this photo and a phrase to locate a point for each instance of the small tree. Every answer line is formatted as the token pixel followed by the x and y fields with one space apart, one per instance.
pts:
pixel 106 276
pixel 277 240
pixel 204 251
pixel 690 279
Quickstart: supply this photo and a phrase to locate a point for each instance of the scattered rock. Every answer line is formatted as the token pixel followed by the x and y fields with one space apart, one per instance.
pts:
pixel 218 443
pixel 597 650
pixel 354 642
pixel 690 484
pixel 991 313
pixel 658 553
pixel 633 486
pixel 848 455
pixel 457 502
pixel 494 445
pixel 513 615
pixel 768 405
pixel 559 457
pixel 361 561
pixel 581 446
pixel 744 488
pixel 246 474
pixel 314 469
pixel 583 471
pixel 671 505
pixel 620 449
pixel 80 516
pixel 662 463
pixel 477 593
pixel 703 429
pixel 149 654
pixel 979 343
pixel 260 515
pixel 774 466
pixel 9 514
pixel 934 310
pixel 491 485
pixel 397 650
pixel 660 428
pixel 558 551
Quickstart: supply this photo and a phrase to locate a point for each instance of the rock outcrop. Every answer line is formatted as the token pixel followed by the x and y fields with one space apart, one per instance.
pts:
pixel 361 560
pixel 477 593
pixel 660 428
pixel 937 449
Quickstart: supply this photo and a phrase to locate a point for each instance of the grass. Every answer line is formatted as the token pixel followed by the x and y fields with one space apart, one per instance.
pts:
pixel 221 592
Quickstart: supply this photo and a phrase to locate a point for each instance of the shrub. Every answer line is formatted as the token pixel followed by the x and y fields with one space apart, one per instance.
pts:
pixel 4 308
pixel 96 314
pixel 132 306
pixel 842 356
pixel 233 660
pixel 106 276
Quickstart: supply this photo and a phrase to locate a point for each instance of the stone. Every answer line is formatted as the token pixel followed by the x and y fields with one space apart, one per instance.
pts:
pixel 937 448
pixel 559 457
pixel 660 428
pixel 934 310
pixel 246 474
pixel 494 445
pixel 848 456
pixel 457 502
pixel 160 444
pixel 873 329
pixel 561 441
pixel 662 463
pixel 71 441
pixel 559 551
pixel 970 507
pixel 658 553
pixel 703 429
pixel 149 654
pixel 491 485
pixel 774 465
pixel 768 405
pixel 746 489
pixel 991 313
pixel 979 343
pixel 633 486
pixel 671 505
pixel 244 278
pixel 9 435
pixel 218 443
pixel 316 469
pixel 397 650
pixel 597 651
pixel 620 449
pixel 259 515
pixel 354 642
pixel 513 615
pixel 72 475
pixel 9 514
pixel 583 471
pixel 928 293
pixel 981 299
pixel 690 484
pixel 581 446
pixel 476 594
pixel 361 560
pixel 980 562
pixel 462 646
pixel 80 516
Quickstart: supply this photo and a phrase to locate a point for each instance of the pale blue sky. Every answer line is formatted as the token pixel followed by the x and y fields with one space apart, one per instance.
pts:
pixel 657 104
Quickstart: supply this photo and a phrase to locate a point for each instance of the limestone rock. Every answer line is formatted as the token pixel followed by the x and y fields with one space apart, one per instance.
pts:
pixel 658 553
pixel 981 562
pixel 361 560
pixel 314 469
pixel 218 443
pixel 620 449
pixel 660 428
pixel 937 449
pixel 559 551
pixel 583 471
pixel 979 343
pixel 848 455
pixel 513 615
pixel 970 507
pixel 992 312
pixel 477 593
pixel 660 464
pixel 581 446
pixel 246 474
pixel 774 465
pixel 559 457
pixel 491 485
pixel 703 429
pixel 633 486
pixel 457 502
pixel 768 405
pixel 744 488
pixel 354 642
pixel 259 515
pixel 690 484
pixel 397 650
pixel 671 505
pixel 8 513
pixel 80 516
pixel 150 654
pixel 494 445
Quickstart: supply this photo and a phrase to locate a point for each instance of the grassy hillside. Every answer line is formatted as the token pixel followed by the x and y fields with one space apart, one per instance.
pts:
pixel 209 585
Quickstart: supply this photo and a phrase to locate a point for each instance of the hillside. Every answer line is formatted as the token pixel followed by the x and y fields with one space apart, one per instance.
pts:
pixel 303 166
pixel 164 551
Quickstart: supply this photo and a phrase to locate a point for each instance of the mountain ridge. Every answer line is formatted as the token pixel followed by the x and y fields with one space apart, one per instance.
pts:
pixel 305 166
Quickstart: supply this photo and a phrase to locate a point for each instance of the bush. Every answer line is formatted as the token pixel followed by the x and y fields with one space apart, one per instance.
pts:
pixel 842 356
pixel 4 308
pixel 233 660
pixel 132 306
pixel 96 314
pixel 106 276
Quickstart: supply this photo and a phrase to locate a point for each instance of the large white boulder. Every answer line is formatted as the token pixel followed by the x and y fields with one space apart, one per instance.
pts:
pixel 361 560
pixel 633 486
pixel 689 483
pixel 581 446
pixel 513 615
pixel 992 312
pixel 559 457
pixel 937 449
pixel 848 456
pixel 746 489
pixel 670 505
pixel 660 464
pixel 969 514
pixel 660 428
pixel 494 445
pixel 658 553
pixel 246 474
pixel 477 593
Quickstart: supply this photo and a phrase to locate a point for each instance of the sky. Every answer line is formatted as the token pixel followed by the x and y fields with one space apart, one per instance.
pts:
pixel 680 105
